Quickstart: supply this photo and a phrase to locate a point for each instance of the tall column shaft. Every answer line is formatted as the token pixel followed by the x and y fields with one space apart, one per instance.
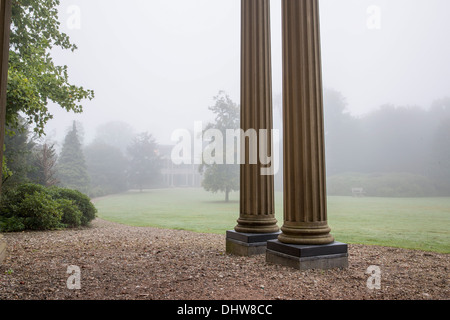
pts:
pixel 305 204
pixel 257 212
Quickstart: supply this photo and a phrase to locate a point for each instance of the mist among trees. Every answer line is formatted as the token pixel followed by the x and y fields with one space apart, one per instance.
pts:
pixel 392 152
pixel 395 151
pixel 217 177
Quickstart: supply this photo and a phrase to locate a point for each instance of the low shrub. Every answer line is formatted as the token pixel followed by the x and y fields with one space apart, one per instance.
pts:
pixel 14 196
pixel 71 215
pixel 35 207
pixel 82 201
pixel 40 212
pixel 12 224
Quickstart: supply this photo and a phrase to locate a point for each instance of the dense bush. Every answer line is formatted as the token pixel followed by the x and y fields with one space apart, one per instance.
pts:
pixel 82 201
pixel 71 215
pixel 34 207
pixel 39 212
pixel 12 224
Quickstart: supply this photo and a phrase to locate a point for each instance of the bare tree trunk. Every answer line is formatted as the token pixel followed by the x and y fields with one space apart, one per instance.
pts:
pixel 5 27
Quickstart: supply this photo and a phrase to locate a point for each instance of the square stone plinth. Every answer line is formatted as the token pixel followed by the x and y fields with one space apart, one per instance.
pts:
pixel 2 249
pixel 248 244
pixel 304 257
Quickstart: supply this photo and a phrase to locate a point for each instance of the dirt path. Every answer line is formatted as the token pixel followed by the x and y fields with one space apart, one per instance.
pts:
pixel 120 262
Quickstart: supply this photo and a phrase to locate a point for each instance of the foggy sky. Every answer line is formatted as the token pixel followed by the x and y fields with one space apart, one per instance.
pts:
pixel 156 64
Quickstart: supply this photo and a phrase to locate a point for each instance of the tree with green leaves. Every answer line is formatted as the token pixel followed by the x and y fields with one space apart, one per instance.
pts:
pixel 33 78
pixel 18 156
pixel 72 169
pixel 222 177
pixel 145 164
pixel 107 169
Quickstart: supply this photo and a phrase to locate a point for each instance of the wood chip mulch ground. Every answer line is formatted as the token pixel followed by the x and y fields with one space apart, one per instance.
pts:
pixel 128 263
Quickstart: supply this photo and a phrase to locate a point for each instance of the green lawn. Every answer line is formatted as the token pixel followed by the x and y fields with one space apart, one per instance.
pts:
pixel 418 223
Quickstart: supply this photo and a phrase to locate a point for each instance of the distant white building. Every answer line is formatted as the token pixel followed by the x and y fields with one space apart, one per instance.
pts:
pixel 178 176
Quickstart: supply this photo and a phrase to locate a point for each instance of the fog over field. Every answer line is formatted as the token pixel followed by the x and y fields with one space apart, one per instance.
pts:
pixel 157 64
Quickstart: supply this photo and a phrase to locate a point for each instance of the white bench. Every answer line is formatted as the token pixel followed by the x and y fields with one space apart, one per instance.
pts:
pixel 358 192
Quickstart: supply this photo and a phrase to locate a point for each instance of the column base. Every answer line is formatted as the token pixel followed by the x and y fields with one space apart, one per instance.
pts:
pixel 260 225
pixel 2 249
pixel 306 257
pixel 248 244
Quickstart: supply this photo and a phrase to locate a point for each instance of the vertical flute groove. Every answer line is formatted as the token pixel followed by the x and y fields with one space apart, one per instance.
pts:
pixel 304 158
pixel 257 209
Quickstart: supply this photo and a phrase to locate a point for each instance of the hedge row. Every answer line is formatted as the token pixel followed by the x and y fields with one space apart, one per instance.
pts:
pixel 35 207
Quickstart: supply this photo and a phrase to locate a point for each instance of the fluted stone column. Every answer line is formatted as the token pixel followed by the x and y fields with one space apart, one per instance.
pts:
pixel 305 203
pixel 305 208
pixel 257 210
pixel 5 23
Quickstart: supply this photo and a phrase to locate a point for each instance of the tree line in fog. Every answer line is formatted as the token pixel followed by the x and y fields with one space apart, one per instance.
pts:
pixel 117 160
pixel 391 152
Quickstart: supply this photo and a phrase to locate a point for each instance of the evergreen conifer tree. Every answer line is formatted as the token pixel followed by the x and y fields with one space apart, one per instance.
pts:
pixel 72 170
